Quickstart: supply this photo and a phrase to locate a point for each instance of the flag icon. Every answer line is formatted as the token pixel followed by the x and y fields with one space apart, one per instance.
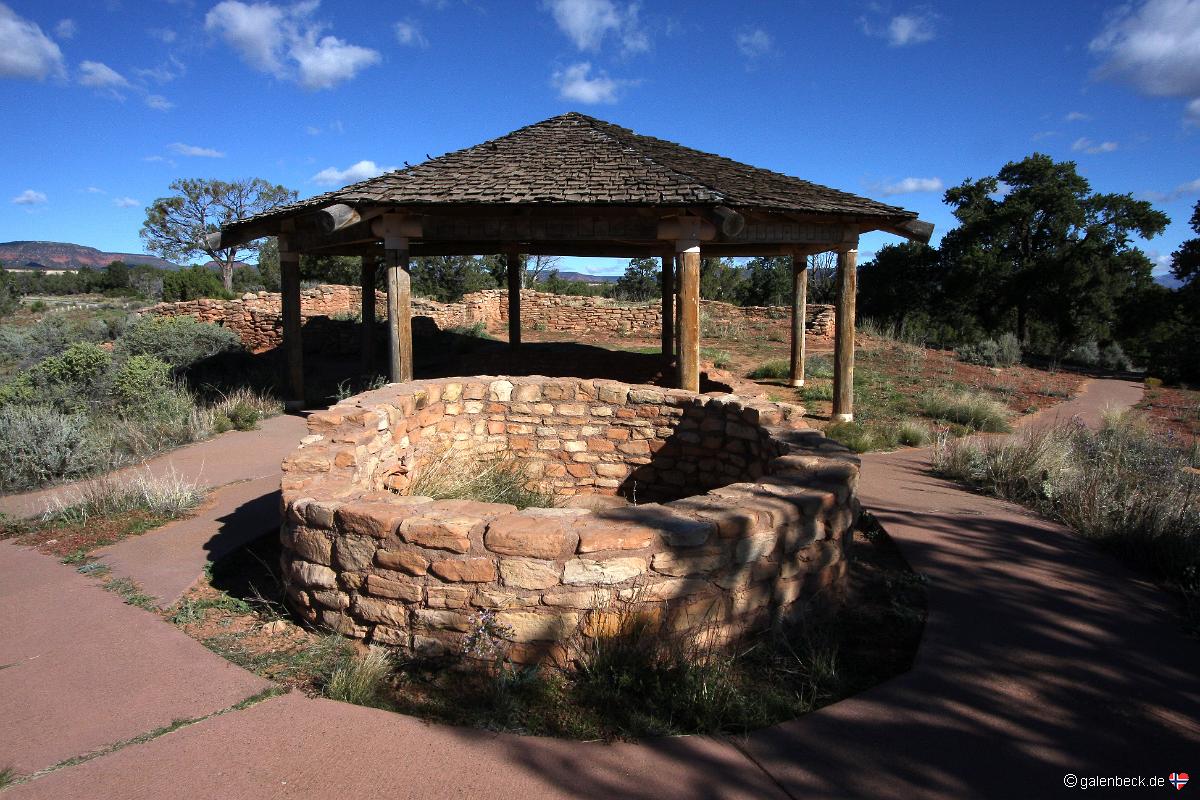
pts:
pixel 1178 780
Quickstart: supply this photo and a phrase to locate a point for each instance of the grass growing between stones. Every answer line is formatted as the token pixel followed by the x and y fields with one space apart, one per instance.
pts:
pixel 1135 492
pixel 631 685
pixel 452 475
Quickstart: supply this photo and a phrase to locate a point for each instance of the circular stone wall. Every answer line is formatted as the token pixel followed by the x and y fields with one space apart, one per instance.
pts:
pixel 748 517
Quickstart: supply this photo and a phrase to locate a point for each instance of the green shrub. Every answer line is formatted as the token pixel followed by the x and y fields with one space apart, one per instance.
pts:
pixel 41 444
pixel 179 341
pixel 911 433
pixel 193 283
pixel 719 358
pixel 359 679
pixel 72 381
pixel 1086 354
pixel 777 370
pixel 1113 357
pixel 38 306
pixel 975 411
pixel 819 367
pixel 1002 352
pixel 813 392
pixel 141 380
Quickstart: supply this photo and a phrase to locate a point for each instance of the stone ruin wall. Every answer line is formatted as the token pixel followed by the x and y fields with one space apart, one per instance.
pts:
pixel 764 533
pixel 256 317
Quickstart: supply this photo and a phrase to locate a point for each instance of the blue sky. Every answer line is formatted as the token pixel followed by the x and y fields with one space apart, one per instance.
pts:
pixel 106 102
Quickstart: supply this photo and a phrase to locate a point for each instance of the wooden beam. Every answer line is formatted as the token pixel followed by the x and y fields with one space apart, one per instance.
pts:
pixel 689 318
pixel 843 343
pixel 515 268
pixel 668 308
pixel 915 230
pixel 293 346
pixel 367 305
pixel 399 298
pixel 799 315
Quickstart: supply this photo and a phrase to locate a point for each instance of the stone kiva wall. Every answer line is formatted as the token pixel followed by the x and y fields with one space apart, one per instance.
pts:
pixel 751 517
pixel 256 317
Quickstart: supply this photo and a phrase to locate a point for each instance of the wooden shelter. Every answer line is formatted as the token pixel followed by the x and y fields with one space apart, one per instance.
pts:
pixel 574 185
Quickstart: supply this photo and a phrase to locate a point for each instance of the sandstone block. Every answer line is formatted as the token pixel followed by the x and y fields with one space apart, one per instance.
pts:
pixel 447 596
pixel 402 561
pixel 691 562
pixel 396 590
pixel 314 546
pixel 470 570
pixel 370 519
pixel 752 548
pixel 528 626
pixel 440 620
pixel 313 575
pixel 354 553
pixel 524 573
pixel 380 611
pixel 445 531
pixel 582 571
pixel 529 534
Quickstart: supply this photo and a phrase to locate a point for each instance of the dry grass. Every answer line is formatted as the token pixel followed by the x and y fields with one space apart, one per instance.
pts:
pixel 163 496
pixel 452 475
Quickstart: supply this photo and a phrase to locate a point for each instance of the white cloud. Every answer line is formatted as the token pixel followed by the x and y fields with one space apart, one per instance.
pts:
pixel 1182 190
pixel 158 102
pixel 1037 137
pixel 312 130
pixel 916 26
pixel 361 171
pixel 1076 116
pixel 100 76
pixel 26 52
pixel 577 83
pixel 66 29
pixel 190 150
pixel 30 197
pixel 164 35
pixel 1193 112
pixel 163 73
pixel 407 33
pixel 95 190
pixel 285 42
pixel 911 186
pixel 754 42
pixel 125 202
pixel 1155 47
pixel 587 22
pixel 1085 145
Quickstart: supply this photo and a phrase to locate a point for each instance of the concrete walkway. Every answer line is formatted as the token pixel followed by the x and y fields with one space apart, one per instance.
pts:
pixel 1041 656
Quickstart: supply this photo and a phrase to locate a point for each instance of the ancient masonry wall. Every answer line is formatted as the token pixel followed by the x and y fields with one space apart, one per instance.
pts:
pixel 764 531
pixel 255 317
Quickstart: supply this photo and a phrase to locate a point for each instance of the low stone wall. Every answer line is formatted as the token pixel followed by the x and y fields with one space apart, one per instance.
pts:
pixel 753 517
pixel 256 318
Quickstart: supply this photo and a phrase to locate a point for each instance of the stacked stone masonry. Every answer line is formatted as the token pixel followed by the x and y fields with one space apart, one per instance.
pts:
pixel 256 318
pixel 750 517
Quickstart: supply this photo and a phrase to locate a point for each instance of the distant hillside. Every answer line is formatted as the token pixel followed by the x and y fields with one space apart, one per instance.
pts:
pixel 582 276
pixel 1168 280
pixel 63 255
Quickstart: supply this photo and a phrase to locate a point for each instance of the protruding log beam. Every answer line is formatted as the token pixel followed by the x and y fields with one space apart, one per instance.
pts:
pixel 843 343
pixel 293 346
pixel 332 219
pixel 515 280
pixel 732 223
pixel 915 230
pixel 367 314
pixel 689 318
pixel 799 318
pixel 399 300
pixel 668 308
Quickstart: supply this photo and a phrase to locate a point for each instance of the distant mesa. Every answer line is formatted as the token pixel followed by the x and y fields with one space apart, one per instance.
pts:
pixel 66 256
pixel 580 276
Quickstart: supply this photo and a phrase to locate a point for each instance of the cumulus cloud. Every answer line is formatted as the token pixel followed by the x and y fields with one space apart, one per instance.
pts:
pixel 360 171
pixel 911 186
pixel 125 202
pixel 158 102
pixel 588 22
pixel 191 150
pixel 26 52
pixel 916 26
pixel 102 77
pixel 66 29
pixel 30 197
pixel 1076 116
pixel 286 42
pixel 408 34
pixel 1182 190
pixel 754 42
pixel 576 82
pixel 95 190
pixel 1085 145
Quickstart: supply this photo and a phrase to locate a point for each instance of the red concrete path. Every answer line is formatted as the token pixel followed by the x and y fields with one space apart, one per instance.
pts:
pixel 1041 656
pixel 83 670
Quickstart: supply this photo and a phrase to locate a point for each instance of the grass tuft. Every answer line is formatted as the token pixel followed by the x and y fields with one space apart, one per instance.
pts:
pixel 772 370
pixel 975 411
pixel 452 475
pixel 164 497
pixel 360 679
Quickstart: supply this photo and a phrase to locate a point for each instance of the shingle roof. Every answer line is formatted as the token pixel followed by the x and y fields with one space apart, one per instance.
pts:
pixel 579 160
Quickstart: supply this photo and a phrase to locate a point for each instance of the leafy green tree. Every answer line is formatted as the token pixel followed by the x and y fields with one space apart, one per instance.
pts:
pixel 116 275
pixel 10 295
pixel 642 280
pixel 1185 262
pixel 176 226
pixel 268 263
pixel 768 281
pixel 1054 251
pixel 448 278
pixel 193 283
pixel 720 280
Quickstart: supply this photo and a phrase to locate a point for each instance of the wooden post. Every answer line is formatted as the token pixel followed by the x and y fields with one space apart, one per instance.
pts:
pixel 689 317
pixel 668 308
pixel 293 346
pixel 843 343
pixel 399 298
pixel 514 299
pixel 675 264
pixel 367 332
pixel 799 317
